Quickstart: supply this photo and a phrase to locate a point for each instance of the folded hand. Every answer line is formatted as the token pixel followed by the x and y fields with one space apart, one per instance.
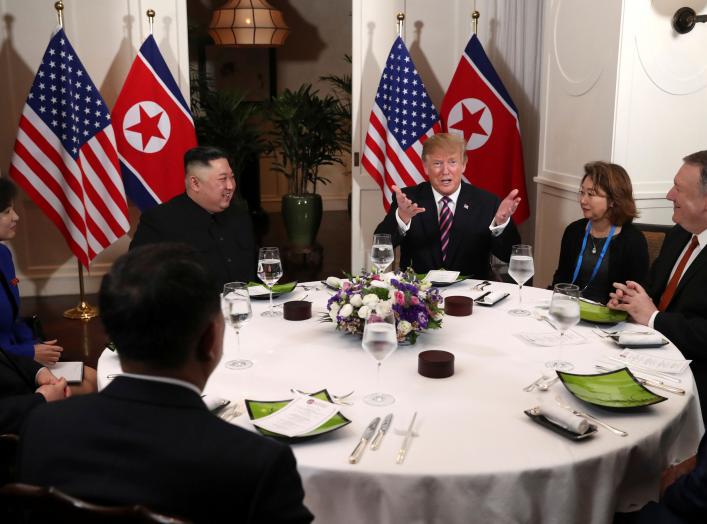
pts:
pixel 632 298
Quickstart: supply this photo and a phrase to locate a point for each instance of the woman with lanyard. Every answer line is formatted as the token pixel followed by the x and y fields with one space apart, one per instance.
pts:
pixel 603 247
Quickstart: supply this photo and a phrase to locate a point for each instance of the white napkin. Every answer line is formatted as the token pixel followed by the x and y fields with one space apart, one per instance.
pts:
pixel 256 291
pixel 640 339
pixel 438 275
pixel 214 403
pixel 564 418
pixel 493 297
pixel 334 282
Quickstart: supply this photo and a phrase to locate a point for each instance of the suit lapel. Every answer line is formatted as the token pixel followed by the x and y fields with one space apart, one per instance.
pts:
pixel 662 272
pixel 697 265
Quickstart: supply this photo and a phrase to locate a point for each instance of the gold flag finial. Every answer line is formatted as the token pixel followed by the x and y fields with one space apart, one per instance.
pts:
pixel 475 21
pixel 151 18
pixel 401 18
pixel 59 6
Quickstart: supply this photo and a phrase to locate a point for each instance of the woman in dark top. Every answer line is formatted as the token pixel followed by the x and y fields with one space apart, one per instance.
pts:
pixel 606 199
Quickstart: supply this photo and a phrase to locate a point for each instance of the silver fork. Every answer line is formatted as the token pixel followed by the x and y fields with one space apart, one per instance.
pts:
pixel 534 384
pixel 481 285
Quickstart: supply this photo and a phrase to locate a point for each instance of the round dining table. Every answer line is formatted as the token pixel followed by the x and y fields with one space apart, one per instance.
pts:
pixel 475 456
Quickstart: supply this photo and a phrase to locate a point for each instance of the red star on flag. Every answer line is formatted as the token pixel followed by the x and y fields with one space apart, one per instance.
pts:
pixel 147 127
pixel 469 124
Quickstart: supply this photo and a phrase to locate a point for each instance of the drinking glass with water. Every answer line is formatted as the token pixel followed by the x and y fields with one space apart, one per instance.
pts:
pixel 269 271
pixel 382 252
pixel 564 314
pixel 235 305
pixel 379 340
pixel 521 268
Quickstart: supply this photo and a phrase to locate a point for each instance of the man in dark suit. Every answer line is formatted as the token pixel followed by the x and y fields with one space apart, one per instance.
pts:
pixel 205 218
pixel 445 223
pixel 148 438
pixel 674 301
pixel 24 385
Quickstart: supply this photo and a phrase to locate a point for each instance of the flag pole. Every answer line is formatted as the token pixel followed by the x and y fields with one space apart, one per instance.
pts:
pixel 83 311
pixel 59 6
pixel 151 18
pixel 401 18
pixel 475 21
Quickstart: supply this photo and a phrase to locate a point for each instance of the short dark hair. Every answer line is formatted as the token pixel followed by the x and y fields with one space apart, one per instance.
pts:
pixel 8 192
pixel 699 159
pixel 156 302
pixel 202 156
pixel 613 180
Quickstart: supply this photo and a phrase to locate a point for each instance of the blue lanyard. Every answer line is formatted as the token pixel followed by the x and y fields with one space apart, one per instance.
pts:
pixel 601 255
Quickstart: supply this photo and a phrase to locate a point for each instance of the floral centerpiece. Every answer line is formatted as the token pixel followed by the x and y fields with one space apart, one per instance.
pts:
pixel 416 304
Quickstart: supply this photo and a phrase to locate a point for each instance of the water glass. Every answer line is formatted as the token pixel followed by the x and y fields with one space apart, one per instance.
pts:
pixel 521 268
pixel 235 305
pixel 382 252
pixel 269 271
pixel 379 340
pixel 564 314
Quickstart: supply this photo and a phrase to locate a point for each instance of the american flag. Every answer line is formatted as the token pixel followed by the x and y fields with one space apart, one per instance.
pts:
pixel 402 118
pixel 65 156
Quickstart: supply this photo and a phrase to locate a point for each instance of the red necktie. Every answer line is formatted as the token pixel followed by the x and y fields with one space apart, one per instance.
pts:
pixel 667 295
pixel 445 225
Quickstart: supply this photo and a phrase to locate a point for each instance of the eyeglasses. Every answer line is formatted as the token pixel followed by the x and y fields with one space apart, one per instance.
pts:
pixel 588 194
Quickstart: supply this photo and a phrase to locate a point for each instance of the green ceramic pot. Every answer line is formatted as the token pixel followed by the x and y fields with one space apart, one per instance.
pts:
pixel 302 215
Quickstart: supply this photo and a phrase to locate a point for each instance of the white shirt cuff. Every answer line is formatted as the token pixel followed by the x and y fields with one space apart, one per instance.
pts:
pixel 402 226
pixel 651 320
pixel 497 230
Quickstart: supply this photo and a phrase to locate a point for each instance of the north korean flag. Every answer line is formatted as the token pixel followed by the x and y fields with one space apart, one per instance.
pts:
pixel 478 107
pixel 153 128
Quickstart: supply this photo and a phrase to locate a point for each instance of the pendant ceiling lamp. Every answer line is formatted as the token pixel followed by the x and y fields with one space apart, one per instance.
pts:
pixel 248 23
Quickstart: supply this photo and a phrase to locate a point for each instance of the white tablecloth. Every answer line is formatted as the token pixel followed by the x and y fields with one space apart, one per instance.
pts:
pixel 478 457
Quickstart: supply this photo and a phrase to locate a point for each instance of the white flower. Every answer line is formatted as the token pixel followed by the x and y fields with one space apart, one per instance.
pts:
pixel 404 327
pixel 378 283
pixel 334 282
pixel 356 300
pixel 437 316
pixel 425 285
pixel 364 312
pixel 422 295
pixel 346 311
pixel 371 299
pixel 384 307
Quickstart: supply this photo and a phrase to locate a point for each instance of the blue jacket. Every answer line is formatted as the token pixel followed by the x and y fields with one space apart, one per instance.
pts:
pixel 15 336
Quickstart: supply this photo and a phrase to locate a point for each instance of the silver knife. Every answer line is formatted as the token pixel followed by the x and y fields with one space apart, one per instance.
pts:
pixel 381 432
pixel 406 442
pixel 361 446
pixel 658 384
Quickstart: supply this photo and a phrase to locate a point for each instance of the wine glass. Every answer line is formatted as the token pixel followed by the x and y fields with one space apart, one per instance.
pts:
pixel 382 252
pixel 564 313
pixel 269 271
pixel 235 305
pixel 521 268
pixel 379 340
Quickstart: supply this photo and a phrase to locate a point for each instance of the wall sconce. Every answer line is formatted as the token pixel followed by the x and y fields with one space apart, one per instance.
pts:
pixel 685 19
pixel 248 23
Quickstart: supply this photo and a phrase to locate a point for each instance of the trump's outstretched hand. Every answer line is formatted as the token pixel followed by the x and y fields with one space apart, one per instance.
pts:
pixel 507 207
pixel 406 207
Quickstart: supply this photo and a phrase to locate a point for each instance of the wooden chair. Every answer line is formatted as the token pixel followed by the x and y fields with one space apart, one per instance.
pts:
pixel 8 456
pixel 655 234
pixel 26 503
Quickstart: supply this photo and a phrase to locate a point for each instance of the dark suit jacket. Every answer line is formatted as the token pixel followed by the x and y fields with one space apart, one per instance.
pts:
pixel 470 241
pixel 17 390
pixel 156 444
pixel 224 240
pixel 15 336
pixel 684 321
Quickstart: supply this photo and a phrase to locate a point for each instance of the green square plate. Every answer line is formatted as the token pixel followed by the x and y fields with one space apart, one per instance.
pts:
pixel 617 389
pixel 277 290
pixel 600 314
pixel 261 408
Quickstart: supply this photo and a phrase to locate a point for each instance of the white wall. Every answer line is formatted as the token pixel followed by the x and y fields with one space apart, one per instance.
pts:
pixel 106 35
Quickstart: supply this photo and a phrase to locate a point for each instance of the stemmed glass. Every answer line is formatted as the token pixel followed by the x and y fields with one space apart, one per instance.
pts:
pixel 379 341
pixel 269 271
pixel 521 268
pixel 235 305
pixel 564 313
pixel 382 252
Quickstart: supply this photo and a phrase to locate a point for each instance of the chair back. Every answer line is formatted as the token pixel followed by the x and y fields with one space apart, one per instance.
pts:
pixel 27 503
pixel 8 456
pixel 655 235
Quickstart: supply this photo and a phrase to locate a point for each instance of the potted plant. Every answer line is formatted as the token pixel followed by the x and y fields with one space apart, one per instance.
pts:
pixel 308 132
